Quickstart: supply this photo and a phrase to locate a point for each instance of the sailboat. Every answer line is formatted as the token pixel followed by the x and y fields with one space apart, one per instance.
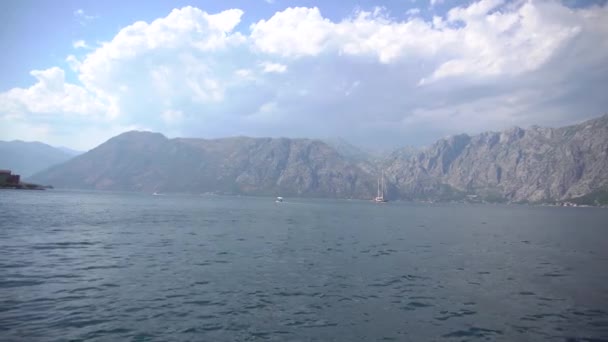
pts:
pixel 381 190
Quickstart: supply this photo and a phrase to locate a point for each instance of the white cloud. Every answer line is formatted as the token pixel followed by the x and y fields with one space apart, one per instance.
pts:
pixel 477 67
pixel 516 39
pixel 295 32
pixel 51 95
pixel 508 43
pixel 474 11
pixel 180 45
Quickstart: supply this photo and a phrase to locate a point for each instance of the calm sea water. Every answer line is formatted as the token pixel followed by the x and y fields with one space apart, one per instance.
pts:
pixel 131 267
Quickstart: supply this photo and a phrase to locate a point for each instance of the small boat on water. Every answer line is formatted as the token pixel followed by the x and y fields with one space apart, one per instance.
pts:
pixel 381 190
pixel 279 199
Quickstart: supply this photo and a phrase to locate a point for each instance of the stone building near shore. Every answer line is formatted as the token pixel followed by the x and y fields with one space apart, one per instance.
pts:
pixel 9 179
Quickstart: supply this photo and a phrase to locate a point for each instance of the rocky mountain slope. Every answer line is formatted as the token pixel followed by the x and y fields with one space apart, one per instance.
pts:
pixel 26 158
pixel 520 165
pixel 517 165
pixel 143 161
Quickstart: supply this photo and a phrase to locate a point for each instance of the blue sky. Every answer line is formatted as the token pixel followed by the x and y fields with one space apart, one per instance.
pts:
pixel 41 33
pixel 380 74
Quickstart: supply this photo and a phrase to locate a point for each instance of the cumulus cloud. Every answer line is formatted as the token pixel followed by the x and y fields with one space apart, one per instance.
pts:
pixel 298 31
pixel 487 65
pixel 51 95
pixel 492 38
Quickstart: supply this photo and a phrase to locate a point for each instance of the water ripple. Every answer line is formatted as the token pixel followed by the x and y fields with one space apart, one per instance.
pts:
pixel 128 267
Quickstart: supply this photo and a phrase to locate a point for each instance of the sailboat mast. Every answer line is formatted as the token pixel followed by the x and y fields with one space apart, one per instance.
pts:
pixel 378 188
pixel 383 186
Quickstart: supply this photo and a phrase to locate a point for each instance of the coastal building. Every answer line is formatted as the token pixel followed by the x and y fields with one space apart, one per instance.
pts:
pixel 8 179
pixel 4 175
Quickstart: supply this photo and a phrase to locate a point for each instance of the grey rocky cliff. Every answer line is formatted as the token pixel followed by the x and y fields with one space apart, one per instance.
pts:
pixel 534 165
pixel 518 165
pixel 143 161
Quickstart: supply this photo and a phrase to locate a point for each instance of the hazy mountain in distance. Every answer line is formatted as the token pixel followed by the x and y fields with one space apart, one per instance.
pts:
pixel 517 165
pixel 366 160
pixel 70 151
pixel 144 161
pixel 535 165
pixel 26 158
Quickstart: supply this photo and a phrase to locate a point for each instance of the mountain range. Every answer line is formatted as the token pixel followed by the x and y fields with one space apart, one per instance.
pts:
pixel 144 161
pixel 517 165
pixel 26 158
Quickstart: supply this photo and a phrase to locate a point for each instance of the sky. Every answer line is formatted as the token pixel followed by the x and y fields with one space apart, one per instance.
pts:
pixel 381 74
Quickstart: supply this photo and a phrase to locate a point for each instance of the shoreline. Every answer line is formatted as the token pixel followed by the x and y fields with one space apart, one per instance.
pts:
pixel 564 204
pixel 26 186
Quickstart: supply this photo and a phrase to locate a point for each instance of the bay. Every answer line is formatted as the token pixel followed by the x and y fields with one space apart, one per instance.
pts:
pixel 105 266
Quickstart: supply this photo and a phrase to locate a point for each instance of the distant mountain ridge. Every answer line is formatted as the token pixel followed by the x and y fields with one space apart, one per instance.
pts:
pixel 517 165
pixel 69 151
pixel 26 158
pixel 144 161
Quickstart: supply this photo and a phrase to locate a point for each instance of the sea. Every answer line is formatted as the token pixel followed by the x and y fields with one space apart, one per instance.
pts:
pixel 110 266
